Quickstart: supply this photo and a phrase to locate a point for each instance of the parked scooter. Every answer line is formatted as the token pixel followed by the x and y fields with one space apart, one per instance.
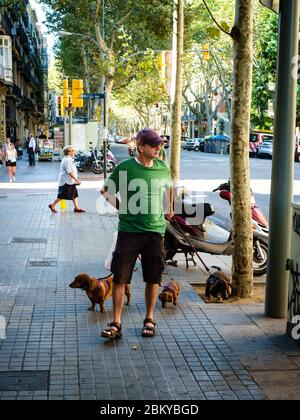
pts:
pixel 208 237
pixel 257 214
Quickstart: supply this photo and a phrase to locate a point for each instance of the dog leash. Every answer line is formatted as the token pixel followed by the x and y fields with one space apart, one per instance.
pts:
pixel 192 246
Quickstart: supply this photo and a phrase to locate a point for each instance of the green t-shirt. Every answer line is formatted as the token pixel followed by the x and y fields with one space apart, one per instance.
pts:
pixel 141 191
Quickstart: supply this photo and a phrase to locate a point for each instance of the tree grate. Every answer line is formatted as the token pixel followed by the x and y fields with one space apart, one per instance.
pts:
pixel 28 241
pixel 42 263
pixel 24 381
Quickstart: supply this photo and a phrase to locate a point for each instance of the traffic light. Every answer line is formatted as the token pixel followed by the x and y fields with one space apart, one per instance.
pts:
pixel 77 90
pixel 60 104
pixel 66 92
pixel 162 69
pixel 206 55
pixel 165 68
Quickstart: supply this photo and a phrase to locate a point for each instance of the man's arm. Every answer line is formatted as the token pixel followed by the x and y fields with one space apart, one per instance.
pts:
pixel 111 198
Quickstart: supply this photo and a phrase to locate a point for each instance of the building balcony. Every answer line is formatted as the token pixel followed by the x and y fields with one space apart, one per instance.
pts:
pixel 14 13
pixel 24 40
pixel 15 92
pixel 5 23
pixel 6 75
pixel 35 82
pixel 25 19
pixel 27 104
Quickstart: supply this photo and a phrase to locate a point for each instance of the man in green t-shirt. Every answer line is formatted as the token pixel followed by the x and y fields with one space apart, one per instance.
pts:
pixel 140 182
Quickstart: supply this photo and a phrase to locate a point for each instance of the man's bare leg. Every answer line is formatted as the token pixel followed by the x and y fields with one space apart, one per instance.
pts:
pixel 118 301
pixel 151 293
pixel 118 294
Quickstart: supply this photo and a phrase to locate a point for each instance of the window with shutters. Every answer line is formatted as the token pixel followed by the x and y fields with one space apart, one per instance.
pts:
pixel 6 73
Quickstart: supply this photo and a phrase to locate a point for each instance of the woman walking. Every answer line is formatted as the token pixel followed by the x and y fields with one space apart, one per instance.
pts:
pixel 11 162
pixel 67 181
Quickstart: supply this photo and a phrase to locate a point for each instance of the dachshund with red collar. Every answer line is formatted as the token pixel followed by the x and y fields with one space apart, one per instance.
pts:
pixel 170 293
pixel 97 290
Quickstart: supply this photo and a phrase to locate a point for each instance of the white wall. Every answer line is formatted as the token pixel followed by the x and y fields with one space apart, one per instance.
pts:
pixel 83 134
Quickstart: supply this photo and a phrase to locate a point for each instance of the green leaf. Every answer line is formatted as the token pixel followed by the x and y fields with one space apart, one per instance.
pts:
pixel 225 26
pixel 213 32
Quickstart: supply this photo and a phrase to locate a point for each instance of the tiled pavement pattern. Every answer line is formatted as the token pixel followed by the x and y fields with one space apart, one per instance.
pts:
pixel 50 329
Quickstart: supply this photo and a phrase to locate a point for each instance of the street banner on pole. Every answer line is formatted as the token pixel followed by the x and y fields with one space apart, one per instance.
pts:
pixel 92 96
pixel 271 4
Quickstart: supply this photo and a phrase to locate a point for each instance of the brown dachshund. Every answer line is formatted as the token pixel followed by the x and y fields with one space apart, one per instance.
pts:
pixel 170 293
pixel 98 290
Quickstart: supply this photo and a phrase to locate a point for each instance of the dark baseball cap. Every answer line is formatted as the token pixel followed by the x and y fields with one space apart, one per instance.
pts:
pixel 149 136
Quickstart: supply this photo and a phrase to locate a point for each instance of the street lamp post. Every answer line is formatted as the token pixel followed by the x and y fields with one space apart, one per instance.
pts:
pixel 65 33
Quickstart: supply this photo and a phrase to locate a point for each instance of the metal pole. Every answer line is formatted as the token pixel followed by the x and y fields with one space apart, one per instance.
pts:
pixel 1 121
pixel 104 136
pixel 104 111
pixel 65 128
pixel 70 124
pixel 283 163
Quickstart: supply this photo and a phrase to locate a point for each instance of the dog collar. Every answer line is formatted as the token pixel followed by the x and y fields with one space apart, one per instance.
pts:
pixel 106 285
pixel 169 289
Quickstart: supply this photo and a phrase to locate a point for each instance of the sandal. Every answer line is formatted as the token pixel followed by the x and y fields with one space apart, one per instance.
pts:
pixel 113 331
pixel 52 208
pixel 147 328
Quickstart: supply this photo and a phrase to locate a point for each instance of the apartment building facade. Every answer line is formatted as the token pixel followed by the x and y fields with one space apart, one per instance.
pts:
pixel 23 74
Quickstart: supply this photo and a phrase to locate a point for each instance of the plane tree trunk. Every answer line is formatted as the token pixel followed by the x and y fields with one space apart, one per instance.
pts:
pixel 242 34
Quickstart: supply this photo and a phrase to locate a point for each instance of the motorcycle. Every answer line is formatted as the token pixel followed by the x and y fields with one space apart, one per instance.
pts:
pixel 89 161
pixel 206 236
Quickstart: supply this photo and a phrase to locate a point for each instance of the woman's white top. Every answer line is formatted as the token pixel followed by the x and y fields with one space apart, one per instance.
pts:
pixel 66 167
pixel 11 155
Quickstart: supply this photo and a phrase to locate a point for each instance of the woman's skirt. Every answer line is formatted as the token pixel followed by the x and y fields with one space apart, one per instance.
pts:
pixel 67 192
pixel 10 164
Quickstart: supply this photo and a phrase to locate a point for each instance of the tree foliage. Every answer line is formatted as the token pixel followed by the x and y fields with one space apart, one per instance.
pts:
pixel 7 4
pixel 132 27
pixel 143 90
pixel 129 27
pixel 264 72
pixel 206 30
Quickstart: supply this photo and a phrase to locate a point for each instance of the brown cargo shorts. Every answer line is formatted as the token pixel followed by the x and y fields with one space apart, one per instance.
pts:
pixel 129 246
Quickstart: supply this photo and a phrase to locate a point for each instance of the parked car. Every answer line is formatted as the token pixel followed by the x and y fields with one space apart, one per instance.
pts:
pixel 184 141
pixel 195 144
pixel 266 149
pixel 256 139
pixel 122 140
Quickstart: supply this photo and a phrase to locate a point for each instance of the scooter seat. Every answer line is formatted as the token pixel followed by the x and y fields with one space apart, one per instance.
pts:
pixel 189 209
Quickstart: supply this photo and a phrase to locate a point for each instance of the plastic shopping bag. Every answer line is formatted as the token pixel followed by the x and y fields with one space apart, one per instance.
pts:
pixel 109 257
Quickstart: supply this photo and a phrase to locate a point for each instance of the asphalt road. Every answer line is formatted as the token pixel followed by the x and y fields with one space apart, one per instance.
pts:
pixel 209 170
